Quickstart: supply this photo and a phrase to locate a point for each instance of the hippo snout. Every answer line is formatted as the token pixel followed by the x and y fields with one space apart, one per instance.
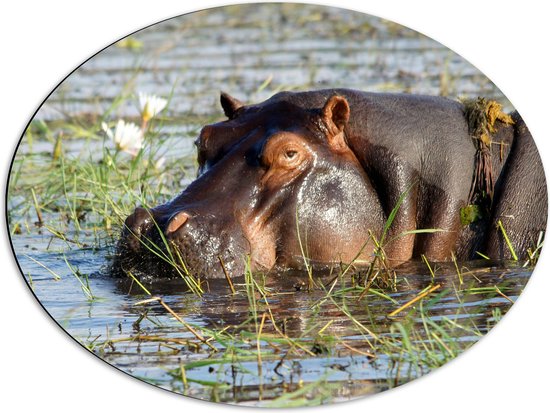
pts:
pixel 144 227
pixel 160 241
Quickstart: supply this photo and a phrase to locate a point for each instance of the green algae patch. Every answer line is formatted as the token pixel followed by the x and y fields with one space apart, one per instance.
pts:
pixel 470 214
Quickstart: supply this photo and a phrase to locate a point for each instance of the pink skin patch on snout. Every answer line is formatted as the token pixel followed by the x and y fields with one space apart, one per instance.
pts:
pixel 177 222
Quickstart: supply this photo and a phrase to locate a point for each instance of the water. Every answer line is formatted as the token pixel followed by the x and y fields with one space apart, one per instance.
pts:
pixel 300 47
pixel 252 52
pixel 143 339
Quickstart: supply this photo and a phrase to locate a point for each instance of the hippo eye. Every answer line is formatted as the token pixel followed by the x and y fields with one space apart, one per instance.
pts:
pixel 290 154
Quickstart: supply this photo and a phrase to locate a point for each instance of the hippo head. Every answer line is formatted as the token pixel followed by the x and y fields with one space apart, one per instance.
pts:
pixel 277 184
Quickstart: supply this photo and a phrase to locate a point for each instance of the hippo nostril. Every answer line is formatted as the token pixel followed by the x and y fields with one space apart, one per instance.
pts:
pixel 138 222
pixel 177 222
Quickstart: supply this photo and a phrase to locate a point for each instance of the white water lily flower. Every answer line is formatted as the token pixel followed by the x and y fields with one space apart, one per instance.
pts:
pixel 127 136
pixel 150 105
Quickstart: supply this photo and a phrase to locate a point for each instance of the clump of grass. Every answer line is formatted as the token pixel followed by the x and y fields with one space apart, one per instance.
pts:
pixel 411 341
pixel 380 267
pixel 482 116
pixel 79 192
pixel 91 192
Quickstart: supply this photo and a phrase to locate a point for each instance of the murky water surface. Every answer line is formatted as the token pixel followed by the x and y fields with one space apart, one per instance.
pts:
pixel 345 346
pixel 312 346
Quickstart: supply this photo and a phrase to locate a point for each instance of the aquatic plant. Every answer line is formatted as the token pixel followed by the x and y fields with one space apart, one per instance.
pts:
pixel 128 137
pixel 150 105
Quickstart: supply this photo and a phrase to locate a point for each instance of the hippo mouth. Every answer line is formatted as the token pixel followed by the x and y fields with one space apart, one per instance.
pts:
pixel 180 246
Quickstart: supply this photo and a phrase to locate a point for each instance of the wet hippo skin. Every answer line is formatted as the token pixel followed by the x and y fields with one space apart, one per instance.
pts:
pixel 317 174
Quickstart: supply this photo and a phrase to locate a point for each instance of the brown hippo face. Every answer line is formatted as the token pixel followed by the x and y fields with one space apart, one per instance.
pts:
pixel 276 183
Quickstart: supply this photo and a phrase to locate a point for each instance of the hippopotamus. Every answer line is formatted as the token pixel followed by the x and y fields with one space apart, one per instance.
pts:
pixel 316 177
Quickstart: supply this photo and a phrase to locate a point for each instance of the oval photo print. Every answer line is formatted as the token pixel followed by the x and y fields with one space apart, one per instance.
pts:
pixel 276 205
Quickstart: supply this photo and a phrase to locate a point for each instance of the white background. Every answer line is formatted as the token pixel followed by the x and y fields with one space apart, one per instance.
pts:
pixel 42 368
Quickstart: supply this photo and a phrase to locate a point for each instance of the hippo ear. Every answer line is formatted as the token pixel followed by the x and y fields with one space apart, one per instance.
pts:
pixel 335 116
pixel 230 105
